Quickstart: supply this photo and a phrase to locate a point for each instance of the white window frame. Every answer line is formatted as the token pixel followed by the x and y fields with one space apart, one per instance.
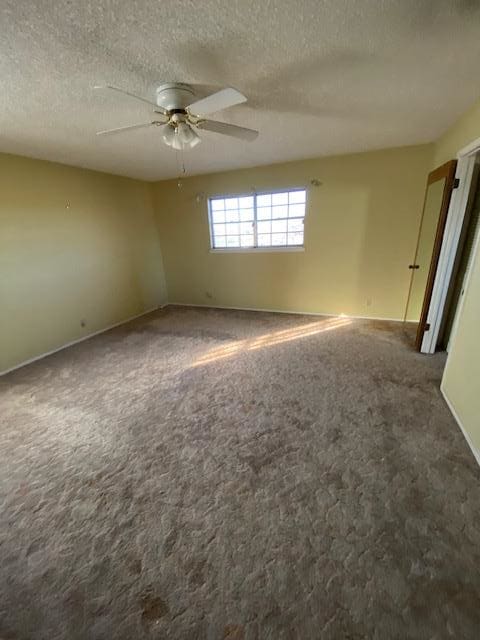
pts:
pixel 256 249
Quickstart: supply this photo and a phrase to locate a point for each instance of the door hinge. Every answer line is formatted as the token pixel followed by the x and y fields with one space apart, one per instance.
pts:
pixel 427 327
pixel 456 183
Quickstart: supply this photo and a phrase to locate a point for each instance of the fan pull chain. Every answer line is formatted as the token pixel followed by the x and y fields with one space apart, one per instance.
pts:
pixel 180 166
pixel 183 162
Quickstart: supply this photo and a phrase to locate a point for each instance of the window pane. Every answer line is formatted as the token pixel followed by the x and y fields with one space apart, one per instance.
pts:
pixel 218 216
pixel 280 211
pixel 295 224
pixel 216 205
pixel 246 214
pixel 233 229
pixel 264 213
pixel 246 203
pixel 278 220
pixel 295 238
pixel 231 203
pixel 246 241
pixel 264 227
pixel 264 200
pixel 279 226
pixel 219 230
pixel 296 196
pixel 296 210
pixel 279 198
pixel 246 228
pixel 231 215
pixel 279 239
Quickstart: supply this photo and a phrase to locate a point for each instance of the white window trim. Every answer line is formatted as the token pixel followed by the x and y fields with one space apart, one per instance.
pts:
pixel 288 249
pixel 271 249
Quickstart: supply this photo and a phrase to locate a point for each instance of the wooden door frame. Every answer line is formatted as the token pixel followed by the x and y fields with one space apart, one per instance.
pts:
pixel 447 172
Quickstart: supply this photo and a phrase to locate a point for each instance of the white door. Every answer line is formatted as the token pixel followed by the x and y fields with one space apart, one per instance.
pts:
pixel 471 239
pixel 448 252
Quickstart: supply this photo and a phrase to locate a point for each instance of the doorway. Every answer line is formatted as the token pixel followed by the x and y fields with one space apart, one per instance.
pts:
pixel 463 261
pixel 450 274
pixel 440 184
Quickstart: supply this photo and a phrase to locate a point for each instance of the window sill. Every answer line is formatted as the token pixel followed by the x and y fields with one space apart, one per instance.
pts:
pixel 259 250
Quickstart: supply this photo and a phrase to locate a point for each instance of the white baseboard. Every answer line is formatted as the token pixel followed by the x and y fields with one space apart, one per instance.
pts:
pixel 70 344
pixel 475 451
pixel 297 313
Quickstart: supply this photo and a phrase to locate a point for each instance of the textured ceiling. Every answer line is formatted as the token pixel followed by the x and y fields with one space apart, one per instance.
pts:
pixel 322 77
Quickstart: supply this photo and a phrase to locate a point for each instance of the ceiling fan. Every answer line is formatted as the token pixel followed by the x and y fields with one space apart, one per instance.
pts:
pixel 180 114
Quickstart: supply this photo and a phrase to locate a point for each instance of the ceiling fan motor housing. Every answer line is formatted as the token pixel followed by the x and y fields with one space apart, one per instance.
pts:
pixel 173 96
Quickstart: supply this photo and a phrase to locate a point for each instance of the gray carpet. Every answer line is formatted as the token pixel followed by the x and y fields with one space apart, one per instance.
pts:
pixel 219 474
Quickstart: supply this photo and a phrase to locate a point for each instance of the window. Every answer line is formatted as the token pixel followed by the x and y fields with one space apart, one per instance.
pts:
pixel 257 221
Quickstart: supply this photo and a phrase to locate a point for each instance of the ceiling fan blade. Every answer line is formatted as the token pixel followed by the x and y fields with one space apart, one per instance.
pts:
pixel 132 95
pixel 217 101
pixel 128 128
pixel 231 130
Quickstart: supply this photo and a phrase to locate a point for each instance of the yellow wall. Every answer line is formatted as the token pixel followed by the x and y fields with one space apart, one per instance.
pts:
pixel 461 381
pixel 458 136
pixel 360 235
pixel 74 245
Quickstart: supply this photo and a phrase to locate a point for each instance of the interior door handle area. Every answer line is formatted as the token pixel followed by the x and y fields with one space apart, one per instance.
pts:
pixel 414 266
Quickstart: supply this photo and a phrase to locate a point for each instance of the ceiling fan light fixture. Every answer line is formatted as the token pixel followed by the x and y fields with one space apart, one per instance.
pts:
pixel 169 135
pixel 187 136
pixel 195 139
pixel 177 143
pixel 180 136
